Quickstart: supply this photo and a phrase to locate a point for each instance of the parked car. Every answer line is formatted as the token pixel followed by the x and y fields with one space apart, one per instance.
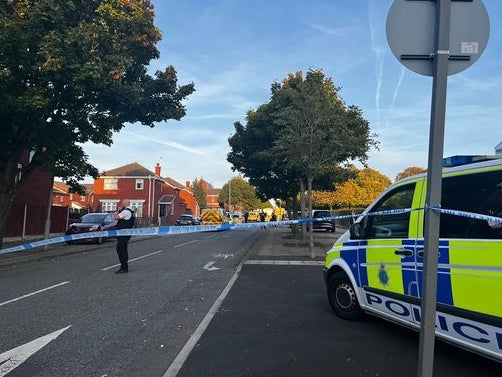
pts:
pixel 187 220
pixel 327 225
pixel 92 222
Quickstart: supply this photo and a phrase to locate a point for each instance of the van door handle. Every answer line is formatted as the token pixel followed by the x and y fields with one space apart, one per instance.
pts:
pixel 421 254
pixel 404 252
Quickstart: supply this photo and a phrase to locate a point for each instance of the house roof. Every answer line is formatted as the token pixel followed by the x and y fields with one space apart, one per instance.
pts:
pixel 174 183
pixel 129 170
pixel 63 188
pixel 166 199
pixel 60 187
pixel 210 190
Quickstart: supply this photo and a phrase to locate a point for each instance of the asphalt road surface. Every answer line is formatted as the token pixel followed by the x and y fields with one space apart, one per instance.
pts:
pixel 276 321
pixel 72 316
pixel 189 308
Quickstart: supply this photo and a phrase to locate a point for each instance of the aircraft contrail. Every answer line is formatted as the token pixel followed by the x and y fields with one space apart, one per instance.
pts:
pixel 378 56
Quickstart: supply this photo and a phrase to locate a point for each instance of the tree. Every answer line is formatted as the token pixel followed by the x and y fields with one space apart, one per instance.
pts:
pixel 239 194
pixel 199 193
pixel 319 130
pixel 74 72
pixel 252 154
pixel 361 190
pixel 408 172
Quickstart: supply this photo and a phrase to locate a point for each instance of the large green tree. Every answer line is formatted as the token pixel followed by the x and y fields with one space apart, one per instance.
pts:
pixel 313 132
pixel 73 72
pixel 239 194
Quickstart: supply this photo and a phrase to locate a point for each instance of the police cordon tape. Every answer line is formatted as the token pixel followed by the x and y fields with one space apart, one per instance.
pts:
pixel 172 230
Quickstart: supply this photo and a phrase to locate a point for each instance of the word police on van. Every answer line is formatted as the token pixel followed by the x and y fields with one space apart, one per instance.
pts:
pixel 376 267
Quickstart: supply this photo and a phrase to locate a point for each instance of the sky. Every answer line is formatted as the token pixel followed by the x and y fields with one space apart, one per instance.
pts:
pixel 233 51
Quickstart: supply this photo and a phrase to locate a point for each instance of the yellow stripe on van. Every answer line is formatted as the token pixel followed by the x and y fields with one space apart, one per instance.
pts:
pixel 417 217
pixel 476 275
pixel 333 254
pixel 380 257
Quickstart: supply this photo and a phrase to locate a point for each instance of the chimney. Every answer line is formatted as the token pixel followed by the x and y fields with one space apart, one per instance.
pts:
pixel 187 184
pixel 157 169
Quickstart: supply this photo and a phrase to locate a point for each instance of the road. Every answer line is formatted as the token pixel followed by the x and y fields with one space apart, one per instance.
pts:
pixel 274 321
pixel 90 322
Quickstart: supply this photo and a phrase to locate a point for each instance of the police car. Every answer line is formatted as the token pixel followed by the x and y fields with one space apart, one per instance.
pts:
pixel 376 267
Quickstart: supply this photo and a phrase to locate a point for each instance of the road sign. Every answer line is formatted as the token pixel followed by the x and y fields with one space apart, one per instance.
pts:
pixel 435 38
pixel 411 26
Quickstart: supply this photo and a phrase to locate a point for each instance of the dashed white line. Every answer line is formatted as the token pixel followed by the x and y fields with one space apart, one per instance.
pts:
pixel 186 243
pixel 134 259
pixel 33 293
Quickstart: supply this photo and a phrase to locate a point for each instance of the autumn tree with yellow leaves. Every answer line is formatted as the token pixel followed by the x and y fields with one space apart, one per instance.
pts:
pixel 356 192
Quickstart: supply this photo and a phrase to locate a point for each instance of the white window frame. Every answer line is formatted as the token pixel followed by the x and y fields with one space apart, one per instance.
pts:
pixel 140 184
pixel 137 207
pixel 110 184
pixel 109 205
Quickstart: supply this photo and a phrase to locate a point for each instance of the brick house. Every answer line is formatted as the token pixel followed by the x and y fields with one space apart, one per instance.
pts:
pixel 212 194
pixel 155 200
pixel 75 202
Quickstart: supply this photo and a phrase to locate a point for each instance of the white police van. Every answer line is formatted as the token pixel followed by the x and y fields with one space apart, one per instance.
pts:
pixel 377 266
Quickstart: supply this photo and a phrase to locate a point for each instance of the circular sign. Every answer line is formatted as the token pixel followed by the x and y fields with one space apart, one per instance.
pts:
pixel 411 27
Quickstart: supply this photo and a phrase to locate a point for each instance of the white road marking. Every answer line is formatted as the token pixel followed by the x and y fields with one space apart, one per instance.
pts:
pixel 209 267
pixel 147 255
pixel 11 359
pixel 134 259
pixel 34 293
pixel 178 362
pixel 224 256
pixel 186 243
pixel 286 262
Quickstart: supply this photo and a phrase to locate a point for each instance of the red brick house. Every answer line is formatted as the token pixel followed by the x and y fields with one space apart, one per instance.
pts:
pixel 75 202
pixel 212 194
pixel 156 200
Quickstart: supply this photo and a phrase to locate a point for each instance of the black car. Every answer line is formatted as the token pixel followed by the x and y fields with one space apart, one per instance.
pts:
pixel 187 220
pixel 327 225
pixel 92 222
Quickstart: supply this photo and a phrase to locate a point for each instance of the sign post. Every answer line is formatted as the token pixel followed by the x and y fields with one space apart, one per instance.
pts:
pixel 446 40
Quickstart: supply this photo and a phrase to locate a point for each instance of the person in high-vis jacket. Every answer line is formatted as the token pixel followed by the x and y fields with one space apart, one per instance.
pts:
pixel 125 217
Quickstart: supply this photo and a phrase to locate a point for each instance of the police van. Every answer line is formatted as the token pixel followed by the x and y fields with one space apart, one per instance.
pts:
pixel 377 266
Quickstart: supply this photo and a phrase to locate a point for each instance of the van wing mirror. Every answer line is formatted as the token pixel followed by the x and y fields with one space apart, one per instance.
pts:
pixel 356 231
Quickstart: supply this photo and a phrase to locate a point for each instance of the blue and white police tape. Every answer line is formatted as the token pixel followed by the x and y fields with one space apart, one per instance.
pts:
pixel 172 230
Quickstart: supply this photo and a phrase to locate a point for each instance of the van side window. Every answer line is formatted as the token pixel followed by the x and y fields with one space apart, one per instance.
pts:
pixel 478 193
pixel 394 225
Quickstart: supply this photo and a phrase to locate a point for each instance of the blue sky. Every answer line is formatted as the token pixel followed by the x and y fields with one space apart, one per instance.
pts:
pixel 234 50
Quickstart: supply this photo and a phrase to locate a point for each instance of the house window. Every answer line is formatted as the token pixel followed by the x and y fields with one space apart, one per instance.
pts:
pixel 139 184
pixel 137 207
pixel 109 206
pixel 82 198
pixel 110 184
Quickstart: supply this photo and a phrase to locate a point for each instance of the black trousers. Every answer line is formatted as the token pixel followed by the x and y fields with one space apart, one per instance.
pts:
pixel 122 242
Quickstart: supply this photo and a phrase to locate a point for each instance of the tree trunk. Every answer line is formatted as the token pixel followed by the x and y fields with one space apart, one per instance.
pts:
pixel 302 208
pixel 311 227
pixel 11 179
pixel 5 206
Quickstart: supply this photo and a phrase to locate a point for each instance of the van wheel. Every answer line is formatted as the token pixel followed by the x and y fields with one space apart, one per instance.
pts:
pixel 342 297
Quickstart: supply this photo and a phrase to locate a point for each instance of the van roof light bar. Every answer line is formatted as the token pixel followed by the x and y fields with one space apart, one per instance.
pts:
pixel 459 160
